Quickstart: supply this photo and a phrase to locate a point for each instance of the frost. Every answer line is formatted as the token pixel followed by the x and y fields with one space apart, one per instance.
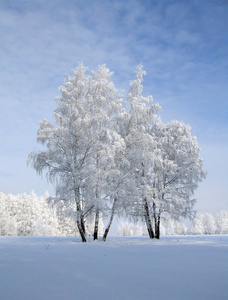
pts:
pixel 108 160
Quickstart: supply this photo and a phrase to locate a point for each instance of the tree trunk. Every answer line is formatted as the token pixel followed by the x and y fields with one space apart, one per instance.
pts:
pixel 81 231
pixel 147 212
pixel 148 220
pixel 156 222
pixel 95 233
pixel 111 219
pixel 157 230
pixel 157 219
pixel 80 218
pixel 83 225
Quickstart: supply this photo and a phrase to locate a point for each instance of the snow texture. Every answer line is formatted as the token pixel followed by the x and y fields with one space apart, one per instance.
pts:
pixel 122 268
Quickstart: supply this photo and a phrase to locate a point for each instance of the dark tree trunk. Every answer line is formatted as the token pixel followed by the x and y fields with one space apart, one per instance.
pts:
pixel 95 233
pixel 147 211
pixel 156 222
pixel 148 219
pixel 83 225
pixel 111 219
pixel 157 230
pixel 157 219
pixel 81 231
pixel 80 218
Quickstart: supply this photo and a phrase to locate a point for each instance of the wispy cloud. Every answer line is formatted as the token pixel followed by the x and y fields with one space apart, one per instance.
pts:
pixel 183 46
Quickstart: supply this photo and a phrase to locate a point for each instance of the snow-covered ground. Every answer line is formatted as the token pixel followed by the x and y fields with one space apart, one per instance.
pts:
pixel 122 268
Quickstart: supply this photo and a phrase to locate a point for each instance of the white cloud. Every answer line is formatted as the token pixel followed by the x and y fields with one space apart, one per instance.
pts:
pixel 183 46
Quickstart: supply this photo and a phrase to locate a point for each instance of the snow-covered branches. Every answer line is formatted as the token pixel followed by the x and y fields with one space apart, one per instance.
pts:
pixel 177 169
pixel 107 159
pixel 81 150
pixel 164 160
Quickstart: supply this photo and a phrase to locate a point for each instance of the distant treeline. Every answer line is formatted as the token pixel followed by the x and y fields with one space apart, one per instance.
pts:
pixel 30 215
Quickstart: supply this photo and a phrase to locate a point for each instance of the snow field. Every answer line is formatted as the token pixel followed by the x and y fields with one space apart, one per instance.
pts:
pixel 190 267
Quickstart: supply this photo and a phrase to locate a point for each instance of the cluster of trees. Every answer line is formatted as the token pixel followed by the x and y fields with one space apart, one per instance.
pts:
pixel 208 224
pixel 168 227
pixel 111 155
pixel 30 215
pixel 24 214
pixel 202 224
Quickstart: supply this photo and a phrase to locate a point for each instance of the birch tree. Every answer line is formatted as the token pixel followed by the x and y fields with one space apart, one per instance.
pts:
pixel 164 161
pixel 105 105
pixel 140 147
pixel 177 171
pixel 66 159
pixel 80 148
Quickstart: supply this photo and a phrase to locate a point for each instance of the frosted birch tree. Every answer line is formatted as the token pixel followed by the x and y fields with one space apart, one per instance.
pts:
pixel 107 159
pixel 105 103
pixel 177 171
pixel 66 159
pixel 80 148
pixel 140 147
pixel 164 160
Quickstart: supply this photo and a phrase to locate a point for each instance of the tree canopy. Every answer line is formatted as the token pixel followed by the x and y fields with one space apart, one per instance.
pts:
pixel 107 159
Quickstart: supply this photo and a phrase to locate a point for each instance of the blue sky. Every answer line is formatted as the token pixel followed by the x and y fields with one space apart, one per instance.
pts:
pixel 183 46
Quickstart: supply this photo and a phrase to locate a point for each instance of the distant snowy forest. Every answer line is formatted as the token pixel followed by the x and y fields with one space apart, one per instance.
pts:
pixel 30 215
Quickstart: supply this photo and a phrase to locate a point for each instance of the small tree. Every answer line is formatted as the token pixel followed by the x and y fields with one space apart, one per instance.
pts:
pixel 198 224
pixel 209 224
pixel 125 229
pixel 203 224
pixel 222 222
pixel 129 229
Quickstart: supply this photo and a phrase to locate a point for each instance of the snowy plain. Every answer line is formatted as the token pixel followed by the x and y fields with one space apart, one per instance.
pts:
pixel 179 267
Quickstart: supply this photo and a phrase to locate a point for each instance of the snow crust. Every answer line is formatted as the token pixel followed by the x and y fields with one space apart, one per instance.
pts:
pixel 189 267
